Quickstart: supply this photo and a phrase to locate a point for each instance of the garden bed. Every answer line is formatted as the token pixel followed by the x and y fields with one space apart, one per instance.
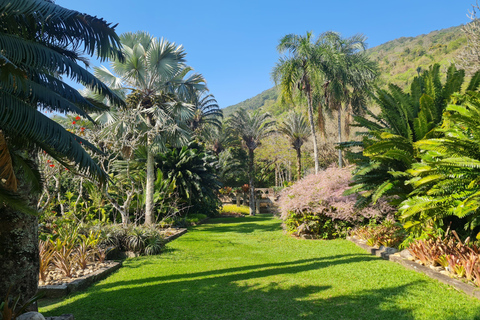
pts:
pixel 58 286
pixel 65 286
pixel 404 258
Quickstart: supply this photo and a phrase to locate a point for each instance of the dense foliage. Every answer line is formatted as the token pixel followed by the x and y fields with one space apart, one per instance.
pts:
pixel 446 180
pixel 193 171
pixel 387 148
pixel 315 206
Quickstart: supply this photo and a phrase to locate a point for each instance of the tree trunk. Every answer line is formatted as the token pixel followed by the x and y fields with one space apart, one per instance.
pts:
pixel 299 164
pixel 251 182
pixel 149 188
pixel 340 161
pixel 312 127
pixel 19 257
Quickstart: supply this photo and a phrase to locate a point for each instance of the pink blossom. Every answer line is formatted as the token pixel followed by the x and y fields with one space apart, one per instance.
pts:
pixel 322 193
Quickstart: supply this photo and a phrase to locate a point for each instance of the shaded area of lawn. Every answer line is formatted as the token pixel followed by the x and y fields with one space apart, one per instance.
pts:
pixel 246 268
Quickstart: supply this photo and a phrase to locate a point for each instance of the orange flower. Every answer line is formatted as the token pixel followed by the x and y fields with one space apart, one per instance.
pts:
pixel 77 118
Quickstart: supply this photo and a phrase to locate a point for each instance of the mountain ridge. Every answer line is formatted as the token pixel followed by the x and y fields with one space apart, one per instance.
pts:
pixel 399 61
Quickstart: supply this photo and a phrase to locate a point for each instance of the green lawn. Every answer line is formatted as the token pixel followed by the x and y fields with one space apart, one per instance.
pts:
pixel 246 268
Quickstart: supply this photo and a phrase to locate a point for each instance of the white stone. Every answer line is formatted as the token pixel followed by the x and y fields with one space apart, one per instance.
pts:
pixel 31 316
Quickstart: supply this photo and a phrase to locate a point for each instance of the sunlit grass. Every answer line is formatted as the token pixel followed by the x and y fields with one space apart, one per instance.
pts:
pixel 234 209
pixel 247 268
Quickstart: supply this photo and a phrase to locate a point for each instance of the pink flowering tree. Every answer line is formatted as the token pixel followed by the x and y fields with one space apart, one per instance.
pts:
pixel 315 206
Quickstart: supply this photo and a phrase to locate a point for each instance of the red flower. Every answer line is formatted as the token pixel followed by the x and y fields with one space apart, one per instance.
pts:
pixel 82 128
pixel 48 161
pixel 52 165
pixel 77 118
pixel 66 169
pixel 73 122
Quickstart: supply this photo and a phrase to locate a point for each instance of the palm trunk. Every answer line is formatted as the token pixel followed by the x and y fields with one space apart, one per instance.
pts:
pixel 251 182
pixel 312 127
pixel 149 188
pixel 19 256
pixel 299 164
pixel 340 162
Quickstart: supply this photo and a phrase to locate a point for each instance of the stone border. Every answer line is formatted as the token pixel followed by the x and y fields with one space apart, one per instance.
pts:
pixel 62 290
pixel 181 232
pixel 392 254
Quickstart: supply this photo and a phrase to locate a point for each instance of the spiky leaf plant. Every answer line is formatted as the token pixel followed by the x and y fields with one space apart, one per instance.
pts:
pixel 446 182
pixel 387 147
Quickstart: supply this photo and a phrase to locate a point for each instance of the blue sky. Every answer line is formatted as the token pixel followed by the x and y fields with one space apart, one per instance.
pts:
pixel 233 43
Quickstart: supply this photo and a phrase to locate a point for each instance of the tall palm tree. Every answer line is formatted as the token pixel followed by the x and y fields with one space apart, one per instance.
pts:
pixel 251 127
pixel 158 81
pixel 39 42
pixel 297 70
pixel 296 129
pixel 347 76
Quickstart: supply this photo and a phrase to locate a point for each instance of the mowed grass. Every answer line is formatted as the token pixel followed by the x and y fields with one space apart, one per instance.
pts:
pixel 246 268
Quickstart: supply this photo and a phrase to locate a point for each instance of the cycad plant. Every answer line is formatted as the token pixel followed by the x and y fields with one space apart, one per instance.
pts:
pixel 193 172
pixel 446 182
pixel 41 42
pixel 387 147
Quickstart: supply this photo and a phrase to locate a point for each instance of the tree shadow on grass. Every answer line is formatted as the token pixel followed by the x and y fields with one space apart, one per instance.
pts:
pixel 248 224
pixel 251 271
pixel 237 296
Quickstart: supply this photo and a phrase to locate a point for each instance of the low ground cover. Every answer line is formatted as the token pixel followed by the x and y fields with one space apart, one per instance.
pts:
pixel 247 268
pixel 234 210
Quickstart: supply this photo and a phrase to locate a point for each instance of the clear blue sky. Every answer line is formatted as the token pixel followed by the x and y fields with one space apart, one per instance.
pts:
pixel 233 43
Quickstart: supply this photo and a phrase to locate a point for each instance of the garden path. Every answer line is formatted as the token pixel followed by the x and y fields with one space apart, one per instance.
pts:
pixel 247 268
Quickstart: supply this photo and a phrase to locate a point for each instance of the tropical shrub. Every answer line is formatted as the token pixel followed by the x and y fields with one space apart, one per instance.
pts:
pixel 387 148
pixel 446 181
pixel 232 209
pixel 460 259
pixel 193 170
pixel 388 233
pixel 316 207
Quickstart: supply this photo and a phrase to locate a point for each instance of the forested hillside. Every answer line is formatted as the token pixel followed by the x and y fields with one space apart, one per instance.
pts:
pixel 399 61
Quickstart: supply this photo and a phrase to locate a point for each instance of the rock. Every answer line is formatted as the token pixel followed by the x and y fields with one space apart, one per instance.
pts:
pixel 436 268
pixel 445 272
pixel 31 316
pixel 62 317
pixel 407 255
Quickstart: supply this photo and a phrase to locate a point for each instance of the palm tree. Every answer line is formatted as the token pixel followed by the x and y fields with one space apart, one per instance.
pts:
pixel 297 131
pixel 296 70
pixel 347 76
pixel 207 114
pixel 251 127
pixel 41 41
pixel 155 74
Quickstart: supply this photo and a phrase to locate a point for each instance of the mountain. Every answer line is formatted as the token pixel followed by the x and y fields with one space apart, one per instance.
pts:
pixel 399 61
